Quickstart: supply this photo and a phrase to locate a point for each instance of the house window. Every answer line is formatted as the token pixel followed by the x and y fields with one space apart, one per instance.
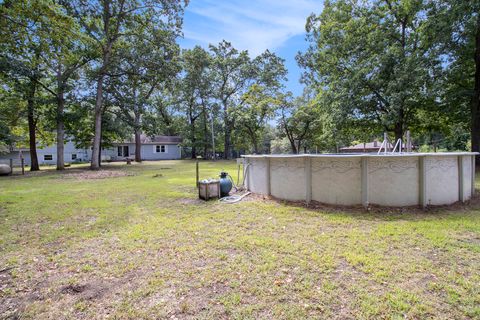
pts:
pixel 122 151
pixel 47 157
pixel 74 156
pixel 161 148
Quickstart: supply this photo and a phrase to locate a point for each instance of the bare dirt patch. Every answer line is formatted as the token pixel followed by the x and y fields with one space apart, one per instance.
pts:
pixel 88 291
pixel 102 174
pixel 73 289
pixel 189 201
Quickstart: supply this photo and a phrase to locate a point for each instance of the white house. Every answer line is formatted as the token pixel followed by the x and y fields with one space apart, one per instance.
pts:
pixel 153 148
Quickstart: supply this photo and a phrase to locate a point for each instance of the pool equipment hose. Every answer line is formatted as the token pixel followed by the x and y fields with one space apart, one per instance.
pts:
pixel 233 199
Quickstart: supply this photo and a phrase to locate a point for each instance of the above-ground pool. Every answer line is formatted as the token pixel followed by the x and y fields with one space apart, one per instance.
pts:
pixel 407 179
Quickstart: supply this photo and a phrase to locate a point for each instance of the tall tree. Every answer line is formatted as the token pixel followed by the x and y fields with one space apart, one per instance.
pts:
pixel 12 114
pixel 145 61
pixel 26 28
pixel 259 106
pixel 106 22
pixel 299 120
pixel 233 73
pixel 454 32
pixel 370 58
pixel 194 90
pixel 161 119
pixel 66 56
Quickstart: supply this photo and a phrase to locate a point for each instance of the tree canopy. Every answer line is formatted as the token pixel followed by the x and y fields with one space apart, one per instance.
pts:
pixel 97 72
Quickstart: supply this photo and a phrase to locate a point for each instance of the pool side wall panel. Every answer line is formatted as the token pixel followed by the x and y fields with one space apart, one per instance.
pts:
pixel 287 178
pixel 337 180
pixel 394 181
pixel 442 177
pixel 257 175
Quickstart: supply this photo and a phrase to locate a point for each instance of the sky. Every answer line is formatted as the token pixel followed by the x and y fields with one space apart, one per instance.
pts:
pixel 277 25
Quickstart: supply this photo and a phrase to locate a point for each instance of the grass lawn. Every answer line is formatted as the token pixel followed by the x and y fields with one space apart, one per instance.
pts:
pixel 136 243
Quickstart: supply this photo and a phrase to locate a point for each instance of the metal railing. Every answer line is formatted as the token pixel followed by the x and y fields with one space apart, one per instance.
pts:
pixel 384 146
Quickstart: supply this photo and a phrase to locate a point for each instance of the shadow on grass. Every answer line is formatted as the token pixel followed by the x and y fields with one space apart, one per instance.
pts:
pixel 79 168
pixel 458 210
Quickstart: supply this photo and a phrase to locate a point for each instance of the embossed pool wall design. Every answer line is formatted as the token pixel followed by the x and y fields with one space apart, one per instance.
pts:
pixel 387 180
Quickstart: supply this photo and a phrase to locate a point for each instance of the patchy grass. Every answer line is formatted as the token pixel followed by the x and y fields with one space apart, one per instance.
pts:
pixel 132 242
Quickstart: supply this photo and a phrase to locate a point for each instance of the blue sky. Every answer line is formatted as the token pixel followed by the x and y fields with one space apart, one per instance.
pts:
pixel 277 25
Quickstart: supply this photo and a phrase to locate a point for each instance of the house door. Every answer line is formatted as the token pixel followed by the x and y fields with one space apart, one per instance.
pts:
pixel 123 151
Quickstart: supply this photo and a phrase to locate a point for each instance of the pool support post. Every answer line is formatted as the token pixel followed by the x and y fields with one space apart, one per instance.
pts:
pixel 364 188
pixel 473 176
pixel 461 195
pixel 422 174
pixel 308 180
pixel 268 183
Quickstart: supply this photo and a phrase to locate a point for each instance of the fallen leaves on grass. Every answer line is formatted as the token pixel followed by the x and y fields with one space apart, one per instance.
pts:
pixel 102 174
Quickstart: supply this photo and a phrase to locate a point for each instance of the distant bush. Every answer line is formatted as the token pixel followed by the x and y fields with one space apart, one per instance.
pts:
pixel 3 148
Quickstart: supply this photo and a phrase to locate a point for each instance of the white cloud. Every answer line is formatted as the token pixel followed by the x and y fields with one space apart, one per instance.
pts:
pixel 248 25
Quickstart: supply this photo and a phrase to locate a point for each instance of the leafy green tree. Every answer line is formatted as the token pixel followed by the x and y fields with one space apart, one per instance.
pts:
pixel 233 74
pixel 299 121
pixel 106 22
pixel 66 51
pixel 194 90
pixel 162 117
pixel 370 60
pixel 12 115
pixel 145 61
pixel 26 28
pixel 259 106
pixel 454 32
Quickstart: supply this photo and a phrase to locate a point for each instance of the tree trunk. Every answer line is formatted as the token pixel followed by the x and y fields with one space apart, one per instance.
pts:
pixel 255 145
pixel 398 130
pixel 194 152
pixel 194 141
pixel 475 107
pixel 95 162
pixel 228 131
pixel 162 110
pixel 60 128
pixel 214 152
pixel 294 147
pixel 138 146
pixel 205 132
pixel 138 142
pixel 253 139
pixel 100 149
pixel 97 139
pixel 32 126
pixel 226 146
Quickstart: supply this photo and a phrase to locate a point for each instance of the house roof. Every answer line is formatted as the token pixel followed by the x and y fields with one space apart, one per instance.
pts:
pixel 20 149
pixel 144 139
pixel 367 146
pixel 372 146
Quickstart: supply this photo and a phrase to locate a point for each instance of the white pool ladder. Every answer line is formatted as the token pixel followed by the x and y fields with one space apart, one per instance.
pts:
pixel 398 145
